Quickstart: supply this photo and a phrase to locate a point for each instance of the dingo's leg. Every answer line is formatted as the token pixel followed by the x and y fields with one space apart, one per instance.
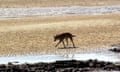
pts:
pixel 58 43
pixel 72 42
pixel 67 41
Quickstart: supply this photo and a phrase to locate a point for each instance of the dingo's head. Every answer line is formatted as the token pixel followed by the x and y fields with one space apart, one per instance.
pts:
pixel 55 38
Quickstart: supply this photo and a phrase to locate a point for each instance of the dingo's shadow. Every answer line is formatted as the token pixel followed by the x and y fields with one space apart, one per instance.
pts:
pixel 67 47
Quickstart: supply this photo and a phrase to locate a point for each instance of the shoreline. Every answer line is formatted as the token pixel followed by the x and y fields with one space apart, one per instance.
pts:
pixel 100 55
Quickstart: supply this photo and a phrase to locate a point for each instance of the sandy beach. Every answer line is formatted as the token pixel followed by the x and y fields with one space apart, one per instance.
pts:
pixel 28 27
pixel 55 3
pixel 35 35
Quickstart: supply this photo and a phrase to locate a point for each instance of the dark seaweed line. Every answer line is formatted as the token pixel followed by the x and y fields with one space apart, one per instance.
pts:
pixel 61 66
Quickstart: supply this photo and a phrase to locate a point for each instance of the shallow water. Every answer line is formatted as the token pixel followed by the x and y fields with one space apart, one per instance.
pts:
pixel 99 55
pixel 85 10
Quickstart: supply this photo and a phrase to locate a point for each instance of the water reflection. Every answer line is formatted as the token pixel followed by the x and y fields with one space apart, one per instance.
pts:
pixel 101 56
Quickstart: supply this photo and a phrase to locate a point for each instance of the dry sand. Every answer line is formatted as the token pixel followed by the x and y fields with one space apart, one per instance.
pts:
pixel 35 35
pixel 55 3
